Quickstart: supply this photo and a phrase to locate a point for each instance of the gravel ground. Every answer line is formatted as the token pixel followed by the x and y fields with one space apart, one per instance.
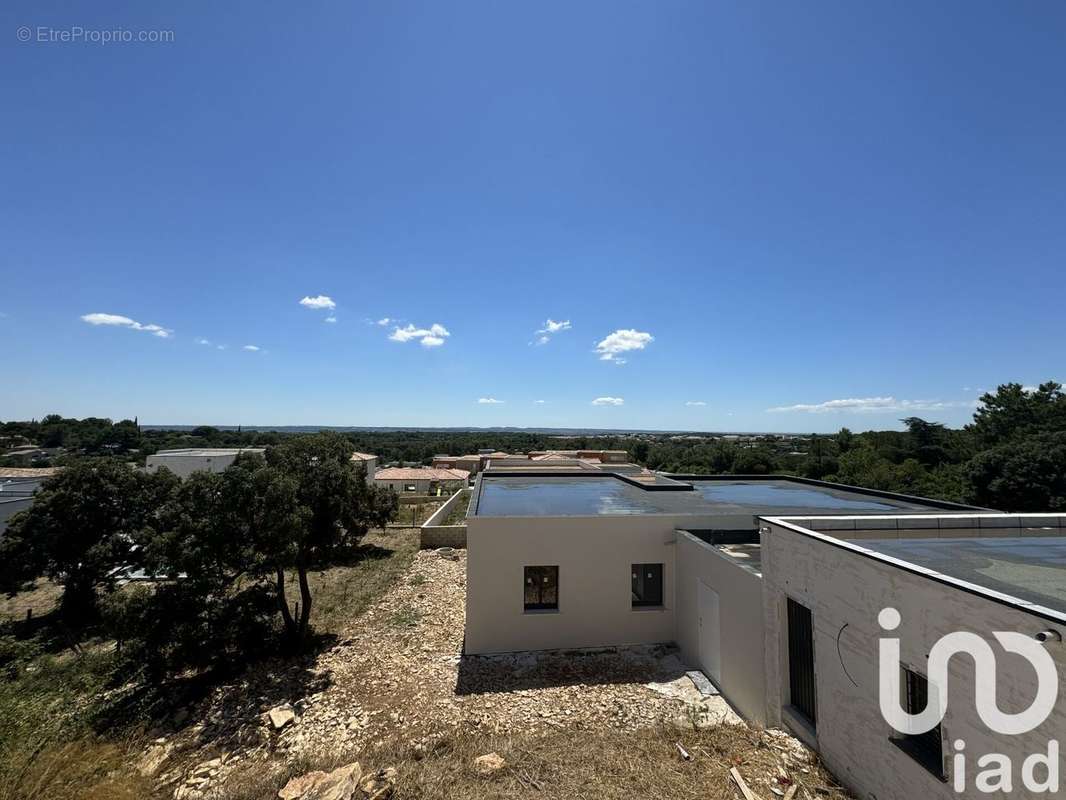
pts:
pixel 397 675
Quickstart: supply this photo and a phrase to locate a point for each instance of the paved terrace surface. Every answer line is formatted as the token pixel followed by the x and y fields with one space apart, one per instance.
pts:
pixel 557 495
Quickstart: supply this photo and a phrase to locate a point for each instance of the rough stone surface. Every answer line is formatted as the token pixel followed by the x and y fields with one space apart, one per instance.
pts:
pixel 340 784
pixel 398 673
pixel 489 764
pixel 280 717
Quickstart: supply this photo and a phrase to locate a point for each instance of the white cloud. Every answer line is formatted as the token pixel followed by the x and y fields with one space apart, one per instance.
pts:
pixel 861 405
pixel 383 321
pixel 489 401
pixel 320 302
pixel 220 347
pixel 695 403
pixel 251 348
pixel 608 401
pixel 622 340
pixel 433 336
pixel 331 318
pixel 539 402
pixel 126 322
pixel 551 326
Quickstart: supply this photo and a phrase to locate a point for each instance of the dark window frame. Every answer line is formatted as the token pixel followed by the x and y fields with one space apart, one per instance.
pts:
pixel 802 678
pixel 925 748
pixel 649 595
pixel 533 577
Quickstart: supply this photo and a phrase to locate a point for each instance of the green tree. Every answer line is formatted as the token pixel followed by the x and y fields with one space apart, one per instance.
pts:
pixel 334 508
pixel 80 529
pixel 1025 474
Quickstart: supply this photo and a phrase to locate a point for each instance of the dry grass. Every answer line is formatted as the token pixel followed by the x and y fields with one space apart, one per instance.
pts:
pixel 570 764
pixel 40 600
pixel 83 769
pixel 343 593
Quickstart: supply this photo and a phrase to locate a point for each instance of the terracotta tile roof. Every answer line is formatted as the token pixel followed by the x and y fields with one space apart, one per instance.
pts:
pixel 420 474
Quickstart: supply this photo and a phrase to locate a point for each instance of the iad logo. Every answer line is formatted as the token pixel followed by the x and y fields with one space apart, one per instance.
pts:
pixel 999 776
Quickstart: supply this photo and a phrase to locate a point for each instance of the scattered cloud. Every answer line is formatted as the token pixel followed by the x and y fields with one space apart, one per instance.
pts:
pixel 383 321
pixel 695 403
pixel 331 318
pixel 860 405
pixel 621 341
pixel 251 348
pixel 433 336
pixel 489 401
pixel 551 327
pixel 320 302
pixel 539 402
pixel 201 340
pixel 608 401
pixel 126 322
pixel 220 347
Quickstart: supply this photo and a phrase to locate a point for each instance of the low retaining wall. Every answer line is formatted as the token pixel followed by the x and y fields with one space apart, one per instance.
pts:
pixel 434 535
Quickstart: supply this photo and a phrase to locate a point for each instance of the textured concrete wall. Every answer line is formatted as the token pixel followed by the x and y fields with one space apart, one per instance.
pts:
pixel 594 555
pixel 740 619
pixel 443 536
pixel 845 592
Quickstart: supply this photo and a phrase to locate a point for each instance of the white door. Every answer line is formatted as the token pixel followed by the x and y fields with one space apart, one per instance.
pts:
pixel 710 633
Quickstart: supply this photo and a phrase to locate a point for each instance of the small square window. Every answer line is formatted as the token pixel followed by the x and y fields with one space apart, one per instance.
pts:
pixel 541 588
pixel 647 585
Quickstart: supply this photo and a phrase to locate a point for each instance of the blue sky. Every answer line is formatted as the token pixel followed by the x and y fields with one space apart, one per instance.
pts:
pixel 794 216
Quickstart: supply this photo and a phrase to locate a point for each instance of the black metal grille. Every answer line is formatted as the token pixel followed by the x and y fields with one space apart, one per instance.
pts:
pixel 925 748
pixel 801 660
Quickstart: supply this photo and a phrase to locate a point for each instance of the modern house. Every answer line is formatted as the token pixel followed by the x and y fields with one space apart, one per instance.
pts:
pixel 421 480
pixel 17 488
pixel 184 462
pixel 773 587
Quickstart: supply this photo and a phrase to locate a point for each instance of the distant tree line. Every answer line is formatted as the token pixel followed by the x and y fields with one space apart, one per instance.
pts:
pixel 1012 456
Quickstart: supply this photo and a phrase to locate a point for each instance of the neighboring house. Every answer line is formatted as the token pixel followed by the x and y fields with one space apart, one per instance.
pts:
pixel 421 480
pixel 17 487
pixel 369 462
pixel 185 462
pixel 472 463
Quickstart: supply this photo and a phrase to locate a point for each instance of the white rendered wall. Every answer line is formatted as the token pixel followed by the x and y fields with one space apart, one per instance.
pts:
pixel 843 588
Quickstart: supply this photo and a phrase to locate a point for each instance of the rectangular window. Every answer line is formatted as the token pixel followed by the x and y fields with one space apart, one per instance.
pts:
pixel 925 748
pixel 542 588
pixel 410 487
pixel 647 585
pixel 801 660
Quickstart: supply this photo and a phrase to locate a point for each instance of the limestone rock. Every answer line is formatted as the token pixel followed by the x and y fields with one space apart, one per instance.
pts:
pixel 379 785
pixel 340 784
pixel 489 764
pixel 280 717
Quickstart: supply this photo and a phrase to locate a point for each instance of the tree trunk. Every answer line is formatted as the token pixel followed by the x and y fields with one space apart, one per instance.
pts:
pixel 283 604
pixel 305 601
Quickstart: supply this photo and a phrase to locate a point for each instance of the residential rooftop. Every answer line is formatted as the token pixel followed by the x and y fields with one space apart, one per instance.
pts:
pixel 420 474
pixel 1017 559
pixel 531 494
pixel 208 452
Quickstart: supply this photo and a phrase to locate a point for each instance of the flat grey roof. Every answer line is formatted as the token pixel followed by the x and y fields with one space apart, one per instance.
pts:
pixel 1030 568
pixel 512 495
pixel 201 452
